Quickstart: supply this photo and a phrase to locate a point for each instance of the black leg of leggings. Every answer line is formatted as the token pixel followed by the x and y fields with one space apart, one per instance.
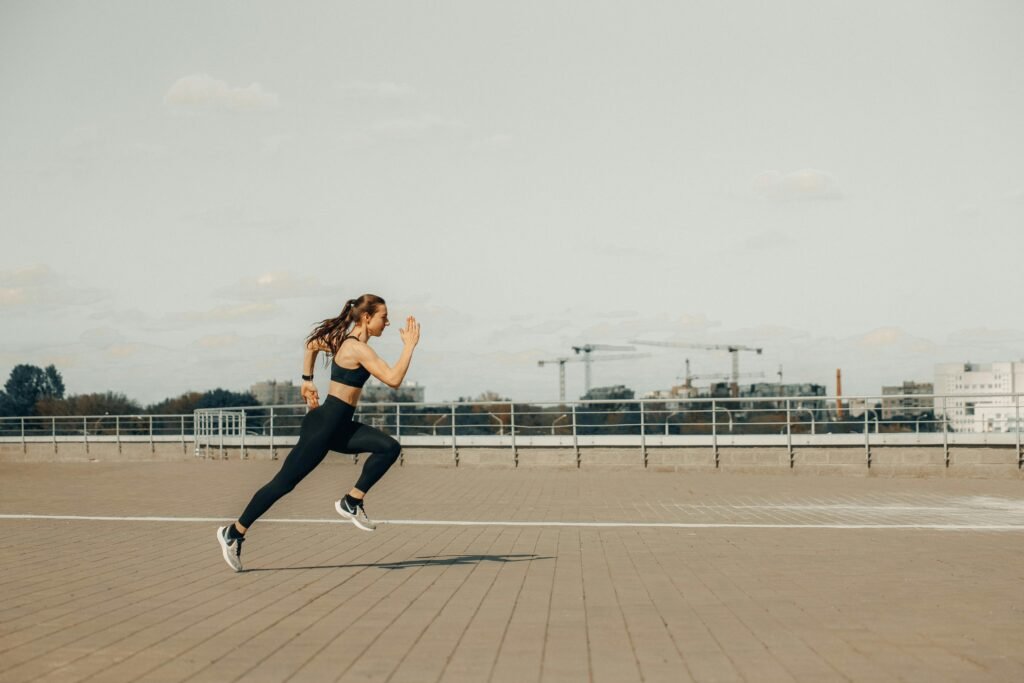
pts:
pixel 315 435
pixel 382 448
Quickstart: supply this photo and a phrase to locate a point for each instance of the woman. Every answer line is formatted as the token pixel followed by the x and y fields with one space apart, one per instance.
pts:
pixel 330 427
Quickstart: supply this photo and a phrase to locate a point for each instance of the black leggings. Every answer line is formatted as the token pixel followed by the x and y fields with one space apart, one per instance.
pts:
pixel 327 428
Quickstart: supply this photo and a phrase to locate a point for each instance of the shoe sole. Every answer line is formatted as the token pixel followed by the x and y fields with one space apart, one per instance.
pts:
pixel 226 550
pixel 352 518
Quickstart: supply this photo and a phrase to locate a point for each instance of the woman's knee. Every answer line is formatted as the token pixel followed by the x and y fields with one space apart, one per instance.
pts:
pixel 393 450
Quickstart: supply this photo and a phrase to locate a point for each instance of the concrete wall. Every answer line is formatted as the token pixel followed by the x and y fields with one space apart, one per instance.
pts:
pixel 79 451
pixel 920 461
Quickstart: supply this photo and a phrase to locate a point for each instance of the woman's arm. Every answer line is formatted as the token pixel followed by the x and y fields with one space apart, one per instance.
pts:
pixel 308 391
pixel 391 376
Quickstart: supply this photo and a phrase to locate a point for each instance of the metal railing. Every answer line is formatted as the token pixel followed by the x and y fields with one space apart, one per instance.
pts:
pixel 97 429
pixel 791 421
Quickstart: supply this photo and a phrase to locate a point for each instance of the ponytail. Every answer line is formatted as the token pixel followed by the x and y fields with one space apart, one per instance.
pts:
pixel 333 331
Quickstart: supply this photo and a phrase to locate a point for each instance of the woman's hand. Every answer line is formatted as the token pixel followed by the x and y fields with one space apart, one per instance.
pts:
pixel 411 334
pixel 309 394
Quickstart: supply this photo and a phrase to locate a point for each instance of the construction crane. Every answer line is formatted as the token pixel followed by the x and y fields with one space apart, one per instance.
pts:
pixel 586 350
pixel 714 375
pixel 733 349
pixel 562 361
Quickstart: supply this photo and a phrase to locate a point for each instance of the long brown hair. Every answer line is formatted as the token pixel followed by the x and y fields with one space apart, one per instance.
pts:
pixel 332 331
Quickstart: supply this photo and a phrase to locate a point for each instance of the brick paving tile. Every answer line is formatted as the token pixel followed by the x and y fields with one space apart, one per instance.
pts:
pixel 933 597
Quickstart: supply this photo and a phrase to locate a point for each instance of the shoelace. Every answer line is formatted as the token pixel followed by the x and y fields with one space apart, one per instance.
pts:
pixel 238 546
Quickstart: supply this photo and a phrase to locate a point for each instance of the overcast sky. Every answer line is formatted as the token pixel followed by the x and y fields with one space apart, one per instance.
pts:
pixel 186 187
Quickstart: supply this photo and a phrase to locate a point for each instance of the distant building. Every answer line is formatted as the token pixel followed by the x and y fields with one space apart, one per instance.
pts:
pixel 769 389
pixel 613 393
pixel 978 397
pixel 900 401
pixel 672 397
pixel 802 396
pixel 274 393
pixel 378 392
pixel 856 407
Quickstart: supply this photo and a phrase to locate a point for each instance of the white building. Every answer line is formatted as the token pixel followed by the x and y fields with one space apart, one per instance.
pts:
pixel 274 393
pixel 979 397
pixel 900 401
pixel 377 392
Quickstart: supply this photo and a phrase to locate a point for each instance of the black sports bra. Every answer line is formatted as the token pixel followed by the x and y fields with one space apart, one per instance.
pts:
pixel 355 377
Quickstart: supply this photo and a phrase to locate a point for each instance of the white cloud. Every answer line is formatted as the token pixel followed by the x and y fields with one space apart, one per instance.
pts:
pixel 31 287
pixel 218 341
pixel 805 184
pixel 273 145
pixel 498 142
pixel 411 125
pixel 765 241
pixel 247 311
pixel 380 89
pixel 203 90
pixel 124 350
pixel 894 339
pixel 274 285
pixel 985 335
pixel 100 336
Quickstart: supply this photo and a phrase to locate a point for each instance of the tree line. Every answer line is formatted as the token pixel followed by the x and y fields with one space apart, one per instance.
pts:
pixel 34 391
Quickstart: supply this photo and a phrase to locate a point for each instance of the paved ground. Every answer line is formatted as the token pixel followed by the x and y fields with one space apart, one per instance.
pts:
pixel 705 577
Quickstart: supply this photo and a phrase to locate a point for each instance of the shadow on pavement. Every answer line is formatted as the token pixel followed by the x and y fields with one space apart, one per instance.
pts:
pixel 422 561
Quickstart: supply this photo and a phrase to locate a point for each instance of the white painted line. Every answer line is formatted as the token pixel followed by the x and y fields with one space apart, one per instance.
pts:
pixel 599 525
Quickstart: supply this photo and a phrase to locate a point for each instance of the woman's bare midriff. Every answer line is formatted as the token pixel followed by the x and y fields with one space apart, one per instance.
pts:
pixel 344 392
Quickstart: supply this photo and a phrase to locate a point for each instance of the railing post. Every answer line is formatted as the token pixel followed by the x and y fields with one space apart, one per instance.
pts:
pixel 512 431
pixel 220 429
pixel 714 431
pixel 575 438
pixel 85 433
pixel 455 450
pixel 867 436
pixel 117 431
pixel 643 433
pixel 183 447
pixel 241 432
pixel 273 453
pixel 945 431
pixel 53 425
pixel 152 446
pixel 1016 410
pixel 24 446
pixel 789 432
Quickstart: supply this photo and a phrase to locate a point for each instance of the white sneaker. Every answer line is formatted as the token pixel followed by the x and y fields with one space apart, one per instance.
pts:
pixel 233 556
pixel 356 515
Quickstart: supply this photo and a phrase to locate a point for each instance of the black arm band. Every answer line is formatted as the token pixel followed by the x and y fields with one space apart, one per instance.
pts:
pixel 307 378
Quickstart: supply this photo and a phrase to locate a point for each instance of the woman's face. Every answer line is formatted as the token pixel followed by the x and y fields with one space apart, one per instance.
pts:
pixel 378 321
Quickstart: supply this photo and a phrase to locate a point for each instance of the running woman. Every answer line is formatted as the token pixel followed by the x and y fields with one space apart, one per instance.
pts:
pixel 330 427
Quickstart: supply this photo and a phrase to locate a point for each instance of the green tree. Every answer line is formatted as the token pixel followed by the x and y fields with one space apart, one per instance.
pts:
pixel 179 405
pixel 222 398
pixel 26 386
pixel 192 400
pixel 106 403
